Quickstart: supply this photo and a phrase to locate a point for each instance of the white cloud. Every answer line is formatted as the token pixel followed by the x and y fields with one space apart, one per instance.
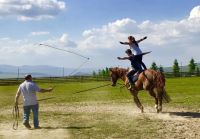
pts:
pixel 66 41
pixel 64 38
pixel 31 9
pixel 27 52
pixel 39 33
pixel 195 12
pixel 168 39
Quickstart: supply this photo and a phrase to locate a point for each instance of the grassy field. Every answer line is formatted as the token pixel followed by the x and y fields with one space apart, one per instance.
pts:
pixel 106 112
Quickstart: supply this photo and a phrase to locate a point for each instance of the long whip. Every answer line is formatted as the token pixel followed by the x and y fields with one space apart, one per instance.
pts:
pixel 65 51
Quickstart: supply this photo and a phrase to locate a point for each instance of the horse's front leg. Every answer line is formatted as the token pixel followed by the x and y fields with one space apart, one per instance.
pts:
pixel 137 101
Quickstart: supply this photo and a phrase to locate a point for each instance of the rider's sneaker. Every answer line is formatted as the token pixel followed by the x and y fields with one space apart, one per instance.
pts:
pixel 131 87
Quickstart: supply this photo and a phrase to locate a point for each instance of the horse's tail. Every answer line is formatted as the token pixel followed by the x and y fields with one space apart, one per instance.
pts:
pixel 166 97
pixel 160 83
pixel 160 80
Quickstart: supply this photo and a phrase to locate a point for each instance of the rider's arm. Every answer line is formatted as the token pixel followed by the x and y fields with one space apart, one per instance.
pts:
pixel 138 41
pixel 125 43
pixel 122 58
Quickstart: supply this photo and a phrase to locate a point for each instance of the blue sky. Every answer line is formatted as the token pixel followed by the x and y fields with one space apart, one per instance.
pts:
pixel 94 27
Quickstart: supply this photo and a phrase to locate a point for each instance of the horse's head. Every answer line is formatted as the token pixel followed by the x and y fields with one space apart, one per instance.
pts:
pixel 117 73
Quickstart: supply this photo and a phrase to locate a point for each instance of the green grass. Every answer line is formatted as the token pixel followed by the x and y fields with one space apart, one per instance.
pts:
pixel 184 92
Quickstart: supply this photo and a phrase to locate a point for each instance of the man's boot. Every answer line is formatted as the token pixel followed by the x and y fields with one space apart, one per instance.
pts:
pixel 27 125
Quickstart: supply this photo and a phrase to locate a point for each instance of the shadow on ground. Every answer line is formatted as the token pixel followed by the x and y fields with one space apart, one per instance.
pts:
pixel 69 127
pixel 186 114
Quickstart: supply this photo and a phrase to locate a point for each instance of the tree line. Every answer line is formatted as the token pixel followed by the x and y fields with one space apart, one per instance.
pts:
pixel 193 69
pixel 101 73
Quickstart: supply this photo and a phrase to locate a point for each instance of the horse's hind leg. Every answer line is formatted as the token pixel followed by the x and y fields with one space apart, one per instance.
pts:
pixel 151 92
pixel 159 94
pixel 137 101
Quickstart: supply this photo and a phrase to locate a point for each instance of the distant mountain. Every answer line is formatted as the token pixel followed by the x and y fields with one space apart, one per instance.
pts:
pixel 8 71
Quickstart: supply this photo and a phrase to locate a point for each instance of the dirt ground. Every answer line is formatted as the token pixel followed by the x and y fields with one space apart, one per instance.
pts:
pixel 175 123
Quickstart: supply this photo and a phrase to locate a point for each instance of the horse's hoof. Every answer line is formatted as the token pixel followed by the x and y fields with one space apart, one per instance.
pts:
pixel 159 110
pixel 142 110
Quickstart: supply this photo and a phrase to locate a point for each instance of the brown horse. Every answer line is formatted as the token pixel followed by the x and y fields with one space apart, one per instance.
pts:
pixel 150 80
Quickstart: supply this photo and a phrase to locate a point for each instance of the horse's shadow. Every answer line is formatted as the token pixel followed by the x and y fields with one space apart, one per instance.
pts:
pixel 186 114
pixel 68 127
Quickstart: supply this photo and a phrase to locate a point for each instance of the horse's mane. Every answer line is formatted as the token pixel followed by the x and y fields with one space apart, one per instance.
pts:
pixel 119 71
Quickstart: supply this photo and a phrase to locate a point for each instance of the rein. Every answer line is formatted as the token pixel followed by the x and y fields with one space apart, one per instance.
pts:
pixel 92 88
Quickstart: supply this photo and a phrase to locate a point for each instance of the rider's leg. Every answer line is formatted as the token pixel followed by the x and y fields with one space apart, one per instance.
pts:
pixel 141 62
pixel 130 78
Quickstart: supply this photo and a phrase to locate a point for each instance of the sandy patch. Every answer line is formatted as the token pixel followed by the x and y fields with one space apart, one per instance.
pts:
pixel 6 132
pixel 175 122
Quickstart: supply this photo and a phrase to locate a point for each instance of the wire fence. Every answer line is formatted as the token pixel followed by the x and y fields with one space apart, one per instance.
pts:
pixel 70 79
pixel 181 74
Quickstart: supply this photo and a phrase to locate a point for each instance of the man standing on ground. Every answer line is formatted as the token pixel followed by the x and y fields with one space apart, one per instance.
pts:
pixel 28 90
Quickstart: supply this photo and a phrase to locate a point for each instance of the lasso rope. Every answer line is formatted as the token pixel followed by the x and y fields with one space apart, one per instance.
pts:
pixel 15 114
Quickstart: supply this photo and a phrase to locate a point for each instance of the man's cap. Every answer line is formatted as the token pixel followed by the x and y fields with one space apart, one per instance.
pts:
pixel 27 76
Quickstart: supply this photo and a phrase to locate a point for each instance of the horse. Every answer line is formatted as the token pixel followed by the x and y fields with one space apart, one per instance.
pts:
pixel 149 80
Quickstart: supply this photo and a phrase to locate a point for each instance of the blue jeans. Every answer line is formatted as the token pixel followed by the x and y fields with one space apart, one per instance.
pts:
pixel 130 75
pixel 27 110
pixel 139 60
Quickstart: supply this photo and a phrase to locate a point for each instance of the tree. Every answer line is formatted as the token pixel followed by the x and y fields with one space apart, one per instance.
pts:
pixel 103 72
pixel 197 71
pixel 161 69
pixel 100 73
pixel 176 68
pixel 192 66
pixel 154 66
pixel 94 74
pixel 107 71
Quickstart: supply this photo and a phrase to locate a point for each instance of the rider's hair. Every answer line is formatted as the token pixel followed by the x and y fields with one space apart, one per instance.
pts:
pixel 128 51
pixel 131 38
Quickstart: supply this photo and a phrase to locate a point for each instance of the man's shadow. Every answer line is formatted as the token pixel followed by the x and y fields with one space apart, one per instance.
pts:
pixel 186 114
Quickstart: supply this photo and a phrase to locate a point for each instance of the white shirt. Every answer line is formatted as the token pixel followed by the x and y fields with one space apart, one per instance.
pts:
pixel 136 49
pixel 28 90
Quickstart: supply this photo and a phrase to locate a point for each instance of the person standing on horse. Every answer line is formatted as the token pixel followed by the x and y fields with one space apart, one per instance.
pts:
pixel 28 90
pixel 136 67
pixel 135 47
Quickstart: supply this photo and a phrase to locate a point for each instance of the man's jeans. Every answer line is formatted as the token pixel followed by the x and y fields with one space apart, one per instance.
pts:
pixel 34 109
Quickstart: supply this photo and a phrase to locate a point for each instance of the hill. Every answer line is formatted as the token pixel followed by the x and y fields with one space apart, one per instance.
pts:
pixel 9 71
